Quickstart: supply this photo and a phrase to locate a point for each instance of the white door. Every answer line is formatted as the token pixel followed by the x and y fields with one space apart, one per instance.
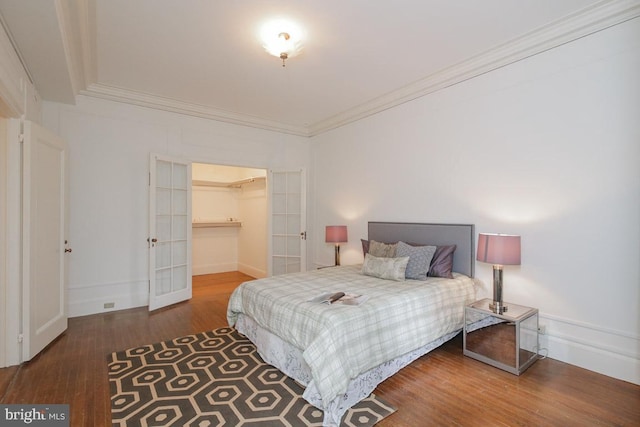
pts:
pixel 288 222
pixel 43 231
pixel 170 231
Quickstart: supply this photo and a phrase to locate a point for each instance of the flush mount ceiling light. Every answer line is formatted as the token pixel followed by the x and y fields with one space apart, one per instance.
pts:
pixel 282 39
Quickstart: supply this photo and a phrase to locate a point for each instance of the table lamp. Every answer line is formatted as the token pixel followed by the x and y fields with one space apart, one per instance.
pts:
pixel 336 234
pixel 499 250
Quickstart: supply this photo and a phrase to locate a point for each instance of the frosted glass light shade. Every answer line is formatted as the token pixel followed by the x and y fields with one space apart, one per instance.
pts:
pixel 273 39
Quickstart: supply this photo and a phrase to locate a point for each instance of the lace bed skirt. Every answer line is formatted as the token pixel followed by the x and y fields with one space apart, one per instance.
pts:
pixel 290 361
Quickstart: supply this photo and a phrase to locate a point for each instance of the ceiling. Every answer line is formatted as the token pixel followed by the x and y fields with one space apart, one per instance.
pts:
pixel 204 58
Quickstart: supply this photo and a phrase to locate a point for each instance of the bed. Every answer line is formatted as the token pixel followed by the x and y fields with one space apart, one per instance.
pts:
pixel 341 352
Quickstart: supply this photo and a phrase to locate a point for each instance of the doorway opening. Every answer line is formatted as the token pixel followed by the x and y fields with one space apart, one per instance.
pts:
pixel 229 220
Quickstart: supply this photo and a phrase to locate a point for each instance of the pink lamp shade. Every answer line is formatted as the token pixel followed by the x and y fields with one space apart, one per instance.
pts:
pixel 336 234
pixel 499 249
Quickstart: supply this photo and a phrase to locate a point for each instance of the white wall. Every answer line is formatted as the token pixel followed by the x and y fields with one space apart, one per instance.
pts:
pixel 548 148
pixel 109 146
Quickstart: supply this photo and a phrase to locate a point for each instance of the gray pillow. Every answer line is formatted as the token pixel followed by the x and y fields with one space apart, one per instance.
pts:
pixel 419 259
pixel 382 250
pixel 365 246
pixel 385 268
pixel 442 262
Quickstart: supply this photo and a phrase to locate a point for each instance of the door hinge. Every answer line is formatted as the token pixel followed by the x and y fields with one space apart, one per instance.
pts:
pixel 20 338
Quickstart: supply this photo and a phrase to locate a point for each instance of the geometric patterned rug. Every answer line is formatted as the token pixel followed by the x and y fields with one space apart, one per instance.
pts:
pixel 214 378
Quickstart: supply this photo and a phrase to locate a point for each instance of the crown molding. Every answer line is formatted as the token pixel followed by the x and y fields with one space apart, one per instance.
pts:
pixel 127 96
pixel 71 45
pixel 85 20
pixel 77 23
pixel 13 76
pixel 597 17
pixel 592 19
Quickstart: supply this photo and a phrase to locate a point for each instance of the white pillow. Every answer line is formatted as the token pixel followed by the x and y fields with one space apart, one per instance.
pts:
pixel 382 250
pixel 385 268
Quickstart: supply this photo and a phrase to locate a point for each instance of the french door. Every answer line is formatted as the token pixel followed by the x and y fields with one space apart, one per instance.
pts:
pixel 44 313
pixel 288 221
pixel 170 231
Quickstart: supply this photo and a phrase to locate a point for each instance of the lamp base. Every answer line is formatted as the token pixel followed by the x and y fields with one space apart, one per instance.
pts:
pixel 337 254
pixel 498 307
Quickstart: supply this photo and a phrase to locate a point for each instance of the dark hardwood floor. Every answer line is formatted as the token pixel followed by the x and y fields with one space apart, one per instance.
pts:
pixel 442 388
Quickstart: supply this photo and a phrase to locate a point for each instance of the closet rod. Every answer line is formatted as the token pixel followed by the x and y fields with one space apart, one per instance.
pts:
pixel 233 184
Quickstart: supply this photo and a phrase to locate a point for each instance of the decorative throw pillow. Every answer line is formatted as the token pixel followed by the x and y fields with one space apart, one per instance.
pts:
pixel 385 268
pixel 382 250
pixel 365 246
pixel 442 262
pixel 419 259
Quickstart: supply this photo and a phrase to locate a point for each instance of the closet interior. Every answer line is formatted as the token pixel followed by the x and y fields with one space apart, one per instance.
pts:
pixel 229 210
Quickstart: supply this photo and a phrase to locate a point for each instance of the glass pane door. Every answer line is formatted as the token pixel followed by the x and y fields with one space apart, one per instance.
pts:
pixel 170 231
pixel 288 222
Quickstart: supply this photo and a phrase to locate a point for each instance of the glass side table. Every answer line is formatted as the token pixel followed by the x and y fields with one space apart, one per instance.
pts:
pixel 507 340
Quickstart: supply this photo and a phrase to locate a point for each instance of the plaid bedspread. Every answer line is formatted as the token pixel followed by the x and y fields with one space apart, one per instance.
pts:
pixel 341 341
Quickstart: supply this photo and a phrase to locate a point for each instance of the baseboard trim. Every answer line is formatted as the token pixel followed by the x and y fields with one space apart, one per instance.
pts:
pixel 198 270
pixel 252 271
pixel 91 299
pixel 606 351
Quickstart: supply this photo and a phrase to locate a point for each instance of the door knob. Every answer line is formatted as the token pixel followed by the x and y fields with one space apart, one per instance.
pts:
pixel 68 250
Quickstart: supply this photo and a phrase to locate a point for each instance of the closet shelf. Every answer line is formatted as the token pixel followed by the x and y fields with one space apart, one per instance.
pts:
pixel 232 184
pixel 216 224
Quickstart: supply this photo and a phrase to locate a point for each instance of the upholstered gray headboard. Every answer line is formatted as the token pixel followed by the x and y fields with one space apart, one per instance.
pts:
pixel 462 235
